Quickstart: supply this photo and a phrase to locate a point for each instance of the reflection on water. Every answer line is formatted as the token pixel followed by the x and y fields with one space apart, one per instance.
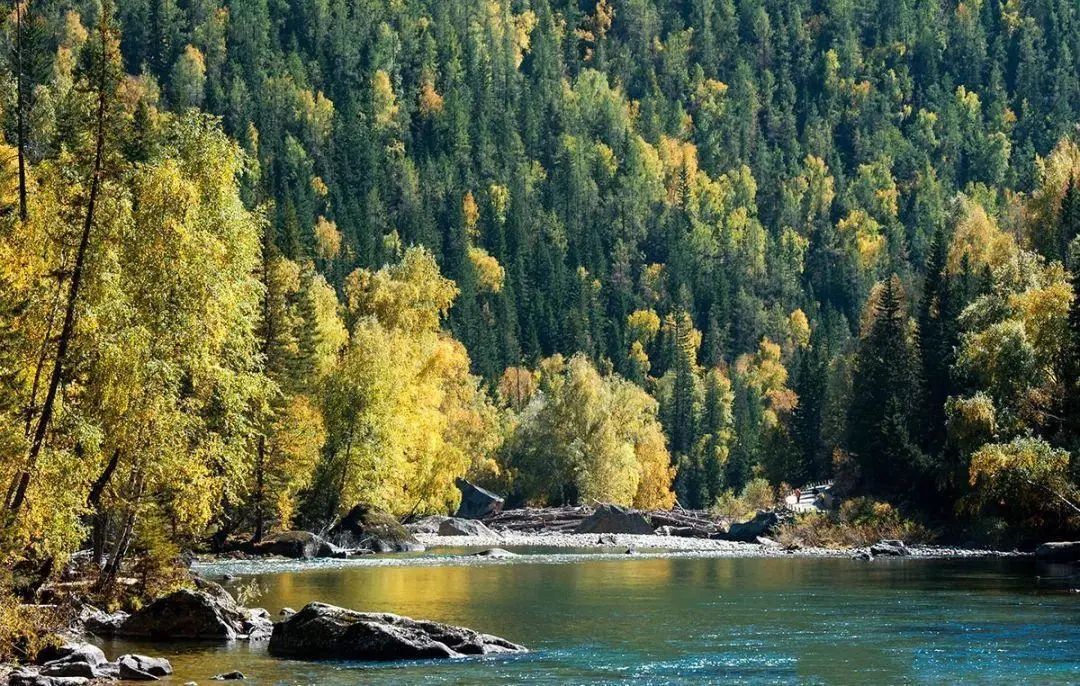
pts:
pixel 693 620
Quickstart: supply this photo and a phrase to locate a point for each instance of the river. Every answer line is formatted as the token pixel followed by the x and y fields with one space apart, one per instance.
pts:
pixel 682 620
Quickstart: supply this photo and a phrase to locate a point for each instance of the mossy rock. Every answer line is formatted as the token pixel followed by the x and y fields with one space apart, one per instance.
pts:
pixel 380 531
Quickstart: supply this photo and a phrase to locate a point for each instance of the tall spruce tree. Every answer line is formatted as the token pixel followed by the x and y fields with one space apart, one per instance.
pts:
pixel 883 417
pixel 937 340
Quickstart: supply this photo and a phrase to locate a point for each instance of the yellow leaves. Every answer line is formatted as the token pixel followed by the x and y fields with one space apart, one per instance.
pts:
pixel 1044 312
pixel 294 446
pixel 978 238
pixel 431 102
pixel 597 436
pixel 332 334
pixel 489 273
pixel 1027 478
pixel 318 186
pixel 524 24
pixel 709 93
pixel 642 326
pixel 969 101
pixel 317 112
pixel 680 164
pixel 517 386
pixel 972 421
pixel 499 197
pixel 409 419
pixel 411 295
pixel 72 33
pixel 9 176
pixel 327 239
pixel 765 372
pixel 864 233
pixel 385 101
pixel 470 213
pixel 799 328
pixel 1052 176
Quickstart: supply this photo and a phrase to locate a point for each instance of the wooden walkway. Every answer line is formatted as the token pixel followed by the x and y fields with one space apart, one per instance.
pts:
pixel 812 498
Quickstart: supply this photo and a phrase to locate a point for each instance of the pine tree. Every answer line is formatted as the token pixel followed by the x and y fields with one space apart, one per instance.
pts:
pixel 807 417
pixel 1069 222
pixel 684 350
pixel 883 417
pixel 937 339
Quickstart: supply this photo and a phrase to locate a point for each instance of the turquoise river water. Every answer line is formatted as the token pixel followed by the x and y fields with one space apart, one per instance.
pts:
pixel 609 619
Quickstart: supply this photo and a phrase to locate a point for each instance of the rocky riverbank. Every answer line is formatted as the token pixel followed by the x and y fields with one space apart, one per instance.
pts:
pixel 639 543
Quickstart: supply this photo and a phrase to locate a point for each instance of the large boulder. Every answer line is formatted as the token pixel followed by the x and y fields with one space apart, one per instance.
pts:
pixel 97 622
pixel 187 614
pixel 322 631
pixel 297 545
pixel 889 547
pixel 476 502
pixel 464 527
pixel 81 660
pixel 143 668
pixel 28 676
pixel 762 524
pixel 363 527
pixel 615 519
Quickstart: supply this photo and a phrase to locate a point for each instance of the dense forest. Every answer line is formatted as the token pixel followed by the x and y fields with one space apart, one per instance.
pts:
pixel 262 260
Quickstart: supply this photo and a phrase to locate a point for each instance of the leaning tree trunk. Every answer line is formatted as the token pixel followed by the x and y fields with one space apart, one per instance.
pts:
pixel 99 520
pixel 68 328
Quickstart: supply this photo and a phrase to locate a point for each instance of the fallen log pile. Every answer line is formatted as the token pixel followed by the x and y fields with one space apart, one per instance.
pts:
pixel 678 522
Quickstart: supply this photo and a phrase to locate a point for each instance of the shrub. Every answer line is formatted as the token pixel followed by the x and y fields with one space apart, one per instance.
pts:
pixel 859 522
pixel 756 495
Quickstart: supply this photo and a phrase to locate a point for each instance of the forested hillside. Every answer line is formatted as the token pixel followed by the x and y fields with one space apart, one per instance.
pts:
pixel 265 259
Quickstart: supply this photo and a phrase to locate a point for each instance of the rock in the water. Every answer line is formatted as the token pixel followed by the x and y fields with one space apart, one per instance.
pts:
pixel 762 524
pixel 97 622
pixel 77 660
pixel 464 527
pixel 1059 551
pixel 615 519
pixel 495 554
pixel 258 625
pixel 230 676
pixel 142 668
pixel 186 614
pixel 297 545
pixel 61 668
pixel 889 547
pixel 322 631
pixel 73 652
pixel 863 555
pixel 363 527
pixel 476 502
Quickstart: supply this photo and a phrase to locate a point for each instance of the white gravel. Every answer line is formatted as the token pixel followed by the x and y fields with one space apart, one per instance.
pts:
pixel 673 544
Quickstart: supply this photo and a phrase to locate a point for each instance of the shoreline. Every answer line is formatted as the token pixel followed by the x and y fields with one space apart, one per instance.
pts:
pixel 676 544
pixel 563 549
